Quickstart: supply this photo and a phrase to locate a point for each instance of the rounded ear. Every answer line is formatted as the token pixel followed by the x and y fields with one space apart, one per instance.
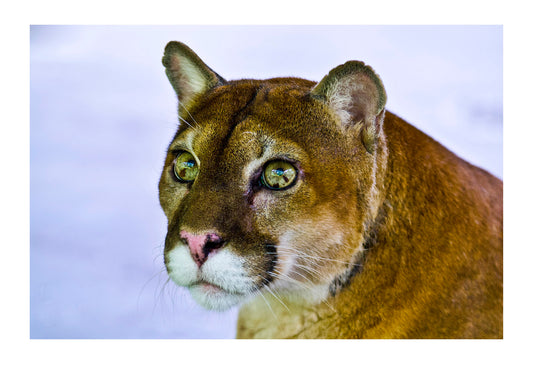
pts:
pixel 356 94
pixel 189 75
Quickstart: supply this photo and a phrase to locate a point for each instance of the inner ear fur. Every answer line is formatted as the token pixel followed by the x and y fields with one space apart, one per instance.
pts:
pixel 356 94
pixel 189 75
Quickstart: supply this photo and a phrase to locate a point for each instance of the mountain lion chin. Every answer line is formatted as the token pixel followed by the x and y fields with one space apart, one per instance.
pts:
pixel 215 298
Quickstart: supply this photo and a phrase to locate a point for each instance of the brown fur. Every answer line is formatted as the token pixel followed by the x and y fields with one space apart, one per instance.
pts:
pixel 405 236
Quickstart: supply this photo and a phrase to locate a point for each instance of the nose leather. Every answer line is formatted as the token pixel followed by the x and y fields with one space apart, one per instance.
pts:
pixel 201 245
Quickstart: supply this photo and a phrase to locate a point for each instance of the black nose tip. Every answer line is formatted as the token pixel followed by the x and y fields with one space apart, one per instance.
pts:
pixel 213 243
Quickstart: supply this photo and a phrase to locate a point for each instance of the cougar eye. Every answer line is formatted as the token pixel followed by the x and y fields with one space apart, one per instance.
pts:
pixel 278 175
pixel 185 167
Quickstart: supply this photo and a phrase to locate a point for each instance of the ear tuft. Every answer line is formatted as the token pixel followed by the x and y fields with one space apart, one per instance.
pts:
pixel 189 75
pixel 356 94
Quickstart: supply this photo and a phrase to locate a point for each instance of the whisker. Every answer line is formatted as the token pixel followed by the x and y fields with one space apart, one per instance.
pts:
pixel 276 296
pixel 158 273
pixel 305 277
pixel 309 265
pixel 195 122
pixel 301 284
pixel 305 255
pixel 285 277
pixel 310 269
pixel 266 302
pixel 158 256
pixel 329 305
pixel 160 295
pixel 181 118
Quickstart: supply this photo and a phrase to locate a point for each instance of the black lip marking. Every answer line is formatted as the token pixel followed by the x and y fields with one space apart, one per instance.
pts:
pixel 272 259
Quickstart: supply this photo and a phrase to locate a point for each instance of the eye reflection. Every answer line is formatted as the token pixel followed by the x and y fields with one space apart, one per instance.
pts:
pixel 185 167
pixel 278 175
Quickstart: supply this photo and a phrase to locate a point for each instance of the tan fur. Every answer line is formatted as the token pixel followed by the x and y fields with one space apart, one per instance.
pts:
pixel 385 234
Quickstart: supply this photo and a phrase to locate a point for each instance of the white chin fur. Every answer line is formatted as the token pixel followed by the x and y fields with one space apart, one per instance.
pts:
pixel 219 301
pixel 222 268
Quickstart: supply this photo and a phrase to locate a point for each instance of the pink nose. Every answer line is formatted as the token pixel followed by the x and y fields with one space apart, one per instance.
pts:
pixel 201 245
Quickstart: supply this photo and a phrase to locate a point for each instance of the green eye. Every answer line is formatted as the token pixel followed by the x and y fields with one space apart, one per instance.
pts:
pixel 278 175
pixel 185 167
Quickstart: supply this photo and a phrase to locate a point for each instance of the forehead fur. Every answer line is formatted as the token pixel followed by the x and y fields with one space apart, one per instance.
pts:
pixel 262 110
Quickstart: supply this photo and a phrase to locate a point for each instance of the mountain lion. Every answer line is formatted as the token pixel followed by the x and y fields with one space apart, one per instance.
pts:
pixel 322 214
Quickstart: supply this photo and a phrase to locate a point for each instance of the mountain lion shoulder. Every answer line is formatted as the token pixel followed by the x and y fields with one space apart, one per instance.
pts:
pixel 321 214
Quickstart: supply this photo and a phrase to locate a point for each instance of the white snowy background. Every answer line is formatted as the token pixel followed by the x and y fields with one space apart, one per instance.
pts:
pixel 102 114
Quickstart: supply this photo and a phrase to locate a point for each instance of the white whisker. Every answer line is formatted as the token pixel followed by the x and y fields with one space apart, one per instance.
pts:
pixel 148 282
pixel 195 122
pixel 266 302
pixel 276 296
pixel 305 277
pixel 181 118
pixel 309 269
pixel 329 305
pixel 160 295
pixel 284 277
pixel 305 255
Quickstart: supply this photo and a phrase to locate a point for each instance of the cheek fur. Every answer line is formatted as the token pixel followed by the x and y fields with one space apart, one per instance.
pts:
pixel 315 250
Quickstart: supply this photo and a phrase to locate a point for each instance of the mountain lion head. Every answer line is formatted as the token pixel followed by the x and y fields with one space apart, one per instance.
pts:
pixel 269 185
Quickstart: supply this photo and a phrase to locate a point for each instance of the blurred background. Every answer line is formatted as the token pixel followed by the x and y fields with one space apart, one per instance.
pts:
pixel 102 114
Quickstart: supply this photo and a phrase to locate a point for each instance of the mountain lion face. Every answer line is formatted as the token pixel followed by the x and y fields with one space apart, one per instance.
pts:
pixel 265 187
